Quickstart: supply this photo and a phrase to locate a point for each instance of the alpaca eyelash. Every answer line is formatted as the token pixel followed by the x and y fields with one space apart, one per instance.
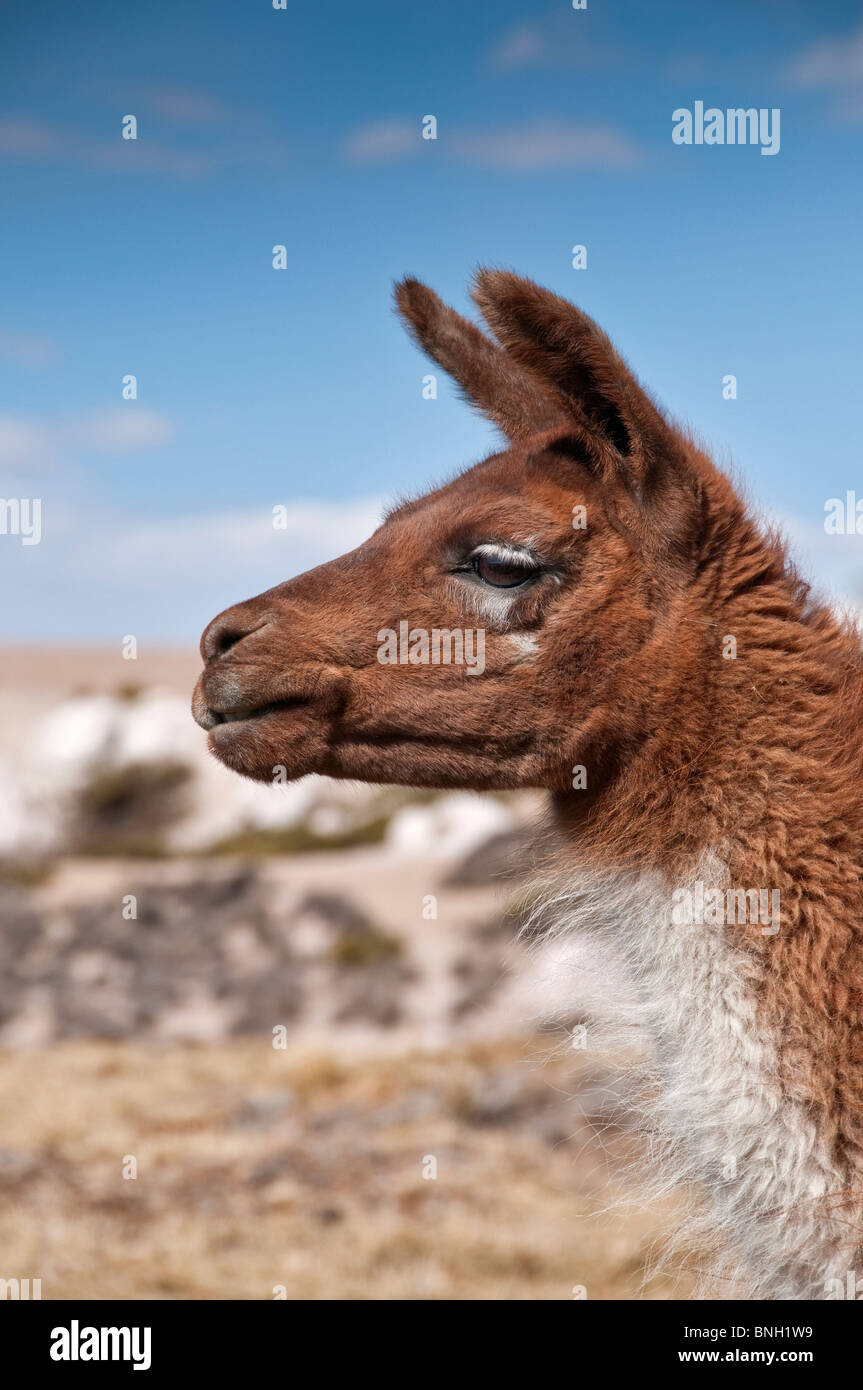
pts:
pixel 503 553
pixel 498 605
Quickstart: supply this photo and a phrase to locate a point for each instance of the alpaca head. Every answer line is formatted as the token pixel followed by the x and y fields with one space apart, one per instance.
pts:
pixel 498 631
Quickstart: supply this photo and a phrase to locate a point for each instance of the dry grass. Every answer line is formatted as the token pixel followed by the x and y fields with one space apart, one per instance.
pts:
pixel 259 1168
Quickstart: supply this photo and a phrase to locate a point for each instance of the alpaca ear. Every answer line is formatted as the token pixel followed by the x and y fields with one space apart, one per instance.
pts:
pixel 519 404
pixel 553 339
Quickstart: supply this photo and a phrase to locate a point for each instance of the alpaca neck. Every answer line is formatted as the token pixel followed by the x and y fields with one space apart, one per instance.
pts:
pixel 752 1025
pixel 718 1118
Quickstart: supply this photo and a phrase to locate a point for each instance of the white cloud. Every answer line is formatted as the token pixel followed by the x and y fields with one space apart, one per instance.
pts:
pixel 22 443
pixel 36 142
pixel 383 140
pixel 523 47
pixel 831 62
pixel 533 145
pixel 26 349
pixel 186 105
pixel 101 568
pixel 175 103
pixel 117 431
pixel 100 572
pixel 560 41
pixel 31 141
pixel 548 145
pixel 26 444
pixel 245 545
pixel 834 66
pixel 28 139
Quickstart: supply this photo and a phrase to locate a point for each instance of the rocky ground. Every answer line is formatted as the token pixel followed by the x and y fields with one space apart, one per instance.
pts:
pixel 385 951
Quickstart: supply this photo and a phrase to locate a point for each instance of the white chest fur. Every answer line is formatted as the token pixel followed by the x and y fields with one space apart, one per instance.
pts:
pixel 712 1106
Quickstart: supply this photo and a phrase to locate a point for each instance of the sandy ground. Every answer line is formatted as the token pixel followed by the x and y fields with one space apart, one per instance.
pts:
pixel 61 670
pixel 263 1173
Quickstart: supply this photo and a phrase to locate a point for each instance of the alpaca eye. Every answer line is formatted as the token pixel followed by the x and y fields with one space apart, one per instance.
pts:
pixel 502 574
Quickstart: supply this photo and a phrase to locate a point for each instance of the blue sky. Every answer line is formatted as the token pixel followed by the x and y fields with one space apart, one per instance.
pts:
pixel 259 387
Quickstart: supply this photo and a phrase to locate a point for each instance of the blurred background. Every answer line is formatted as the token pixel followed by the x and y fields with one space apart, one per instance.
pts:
pixel 300 1013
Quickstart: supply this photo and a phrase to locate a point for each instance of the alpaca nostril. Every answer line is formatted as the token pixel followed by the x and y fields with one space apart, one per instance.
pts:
pixel 225 641
pixel 220 640
pixel 225 632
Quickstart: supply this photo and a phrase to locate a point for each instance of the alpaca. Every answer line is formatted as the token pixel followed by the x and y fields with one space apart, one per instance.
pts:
pixel 652 660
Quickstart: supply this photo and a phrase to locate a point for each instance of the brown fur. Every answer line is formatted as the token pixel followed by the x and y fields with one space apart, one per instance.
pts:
pixel 760 757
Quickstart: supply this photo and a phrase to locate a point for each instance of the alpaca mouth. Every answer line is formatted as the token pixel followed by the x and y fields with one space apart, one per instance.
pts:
pixel 210 718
